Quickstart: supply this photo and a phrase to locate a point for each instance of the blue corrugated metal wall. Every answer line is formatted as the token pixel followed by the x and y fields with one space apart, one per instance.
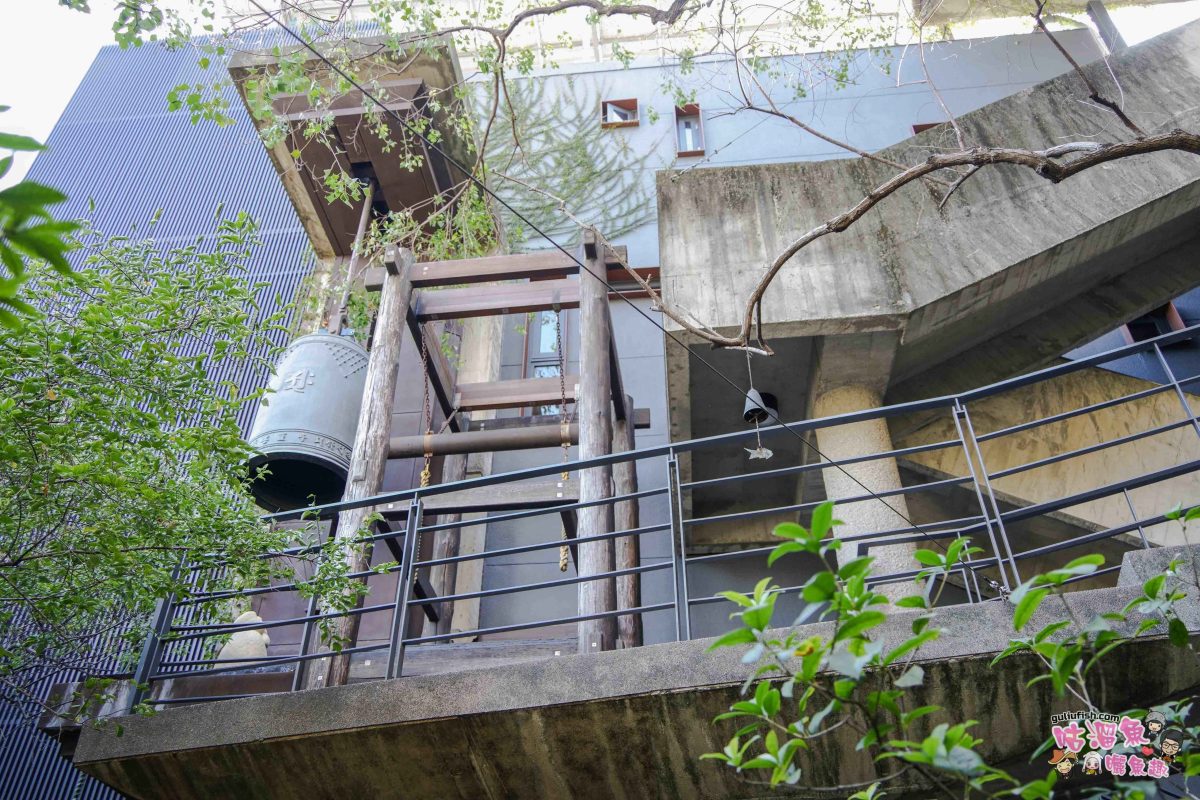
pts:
pixel 117 144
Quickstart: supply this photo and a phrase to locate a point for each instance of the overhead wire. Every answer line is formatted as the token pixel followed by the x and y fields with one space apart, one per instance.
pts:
pixel 431 145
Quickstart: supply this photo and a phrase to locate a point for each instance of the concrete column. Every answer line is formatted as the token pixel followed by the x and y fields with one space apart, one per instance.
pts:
pixel 881 475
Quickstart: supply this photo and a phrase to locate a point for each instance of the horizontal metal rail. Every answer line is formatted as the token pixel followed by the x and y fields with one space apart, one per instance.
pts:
pixel 530 587
pixel 944 402
pixel 184 639
pixel 1094 448
pixel 820 465
pixel 766 512
pixel 524 626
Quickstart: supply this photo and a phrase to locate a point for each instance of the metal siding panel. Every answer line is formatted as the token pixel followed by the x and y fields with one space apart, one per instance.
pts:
pixel 117 144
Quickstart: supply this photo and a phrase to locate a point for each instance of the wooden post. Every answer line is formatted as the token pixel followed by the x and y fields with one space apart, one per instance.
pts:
pixel 625 518
pixel 336 315
pixel 370 446
pixel 594 411
pixel 443 577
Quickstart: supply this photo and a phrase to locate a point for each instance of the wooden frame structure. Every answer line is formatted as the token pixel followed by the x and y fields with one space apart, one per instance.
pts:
pixel 417 295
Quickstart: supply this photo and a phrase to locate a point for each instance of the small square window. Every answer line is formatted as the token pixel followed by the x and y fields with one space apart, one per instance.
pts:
pixel 689 131
pixel 619 114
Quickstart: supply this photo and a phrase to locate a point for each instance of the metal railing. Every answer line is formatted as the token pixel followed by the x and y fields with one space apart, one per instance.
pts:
pixel 982 504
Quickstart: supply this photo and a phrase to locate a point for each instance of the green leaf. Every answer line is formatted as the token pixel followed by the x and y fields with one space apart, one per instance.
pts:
pixel 1027 606
pixel 30 195
pixel 914 676
pixel 734 637
pixel 928 558
pixel 855 567
pixel 820 587
pixel 12 141
pixel 822 520
pixel 1177 632
pixel 858 624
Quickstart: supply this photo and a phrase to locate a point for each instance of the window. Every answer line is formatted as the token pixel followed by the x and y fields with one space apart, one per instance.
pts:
pixel 689 132
pixel 924 126
pixel 619 114
pixel 1162 320
pixel 543 351
pixel 546 370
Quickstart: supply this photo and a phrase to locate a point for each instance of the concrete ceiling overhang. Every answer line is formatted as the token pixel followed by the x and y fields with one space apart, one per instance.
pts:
pixel 947 12
pixel 1011 273
pixel 404 81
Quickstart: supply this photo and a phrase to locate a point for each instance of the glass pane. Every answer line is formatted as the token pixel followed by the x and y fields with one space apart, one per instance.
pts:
pixel 546 342
pixel 546 371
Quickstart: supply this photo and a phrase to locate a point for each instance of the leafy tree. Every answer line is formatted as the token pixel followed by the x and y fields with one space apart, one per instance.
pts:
pixel 803 689
pixel 122 456
pixel 27 230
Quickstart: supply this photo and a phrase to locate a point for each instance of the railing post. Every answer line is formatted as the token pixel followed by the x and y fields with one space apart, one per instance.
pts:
pixel 307 630
pixel 404 584
pixel 1136 519
pixel 972 452
pixel 1171 379
pixel 164 613
pixel 683 625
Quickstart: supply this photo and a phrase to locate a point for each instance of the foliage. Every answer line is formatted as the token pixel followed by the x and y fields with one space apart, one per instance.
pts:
pixel 27 230
pixel 555 144
pixel 805 688
pixel 122 456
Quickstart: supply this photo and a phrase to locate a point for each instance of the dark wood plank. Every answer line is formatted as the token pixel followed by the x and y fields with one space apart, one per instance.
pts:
pixel 594 412
pixel 641 421
pixel 511 394
pixel 546 264
pixel 486 301
pixel 441 373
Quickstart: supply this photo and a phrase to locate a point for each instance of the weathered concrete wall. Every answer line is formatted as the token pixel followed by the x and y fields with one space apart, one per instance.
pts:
pixel 886 95
pixel 1079 474
pixel 622 724
pixel 1010 248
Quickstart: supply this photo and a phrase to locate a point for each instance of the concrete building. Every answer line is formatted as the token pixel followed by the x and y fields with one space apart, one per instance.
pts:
pixel 906 353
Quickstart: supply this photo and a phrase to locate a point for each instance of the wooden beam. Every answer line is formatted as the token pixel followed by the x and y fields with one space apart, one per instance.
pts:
pixel 628 548
pixel 369 457
pixel 441 374
pixel 514 497
pixel 542 265
pixel 422 590
pixel 442 577
pixel 486 301
pixel 511 394
pixel 492 441
pixel 594 412
pixel 641 421
pixel 620 410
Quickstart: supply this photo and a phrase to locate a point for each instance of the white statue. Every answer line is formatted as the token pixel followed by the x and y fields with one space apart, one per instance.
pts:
pixel 247 643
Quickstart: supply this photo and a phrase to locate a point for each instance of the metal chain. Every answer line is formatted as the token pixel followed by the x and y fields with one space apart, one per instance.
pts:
pixel 564 427
pixel 426 407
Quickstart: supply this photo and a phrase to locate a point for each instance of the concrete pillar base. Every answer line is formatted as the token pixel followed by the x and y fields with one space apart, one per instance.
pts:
pixel 878 476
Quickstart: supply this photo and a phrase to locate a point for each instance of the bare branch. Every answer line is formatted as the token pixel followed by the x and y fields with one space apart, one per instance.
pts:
pixel 1093 93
